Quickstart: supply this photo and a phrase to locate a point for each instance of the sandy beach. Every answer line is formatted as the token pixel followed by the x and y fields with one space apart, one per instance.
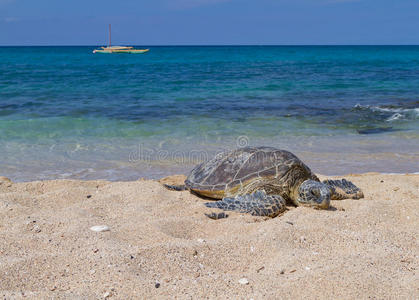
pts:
pixel 103 106
pixel 160 244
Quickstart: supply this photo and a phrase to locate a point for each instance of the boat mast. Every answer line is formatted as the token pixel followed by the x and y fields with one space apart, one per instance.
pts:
pixel 110 41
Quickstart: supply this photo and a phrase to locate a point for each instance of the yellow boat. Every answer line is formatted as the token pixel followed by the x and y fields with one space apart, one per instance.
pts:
pixel 119 49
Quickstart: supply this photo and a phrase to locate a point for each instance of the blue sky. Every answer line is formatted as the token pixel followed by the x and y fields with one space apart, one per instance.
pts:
pixel 209 22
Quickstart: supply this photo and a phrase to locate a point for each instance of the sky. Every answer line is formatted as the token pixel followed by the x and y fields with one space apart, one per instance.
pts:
pixel 209 22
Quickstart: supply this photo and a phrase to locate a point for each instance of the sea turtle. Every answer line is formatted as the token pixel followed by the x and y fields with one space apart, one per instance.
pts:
pixel 260 180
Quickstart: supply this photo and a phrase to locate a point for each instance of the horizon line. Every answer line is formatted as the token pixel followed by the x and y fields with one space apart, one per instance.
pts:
pixel 212 45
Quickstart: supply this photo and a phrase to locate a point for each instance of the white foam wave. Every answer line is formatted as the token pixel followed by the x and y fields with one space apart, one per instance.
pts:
pixel 396 110
pixel 396 116
pixel 398 113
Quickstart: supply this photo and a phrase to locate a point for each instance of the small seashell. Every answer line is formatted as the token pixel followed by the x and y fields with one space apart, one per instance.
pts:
pixel 100 228
pixel 36 229
pixel 244 281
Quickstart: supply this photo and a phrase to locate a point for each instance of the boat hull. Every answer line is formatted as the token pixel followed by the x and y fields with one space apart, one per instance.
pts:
pixel 127 51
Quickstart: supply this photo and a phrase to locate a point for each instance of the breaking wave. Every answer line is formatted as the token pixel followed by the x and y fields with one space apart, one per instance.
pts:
pixel 391 113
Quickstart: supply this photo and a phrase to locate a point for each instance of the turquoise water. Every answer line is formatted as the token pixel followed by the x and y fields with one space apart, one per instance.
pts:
pixel 68 113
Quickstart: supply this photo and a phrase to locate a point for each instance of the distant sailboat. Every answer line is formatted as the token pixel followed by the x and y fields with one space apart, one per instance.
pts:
pixel 118 49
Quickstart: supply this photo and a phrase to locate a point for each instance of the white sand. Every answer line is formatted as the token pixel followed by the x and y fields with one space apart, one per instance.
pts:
pixel 358 249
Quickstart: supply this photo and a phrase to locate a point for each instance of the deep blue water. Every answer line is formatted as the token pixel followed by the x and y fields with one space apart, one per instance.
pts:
pixel 65 111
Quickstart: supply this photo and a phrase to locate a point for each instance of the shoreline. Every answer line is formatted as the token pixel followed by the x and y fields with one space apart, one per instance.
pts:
pixel 157 162
pixel 161 245
pixel 163 177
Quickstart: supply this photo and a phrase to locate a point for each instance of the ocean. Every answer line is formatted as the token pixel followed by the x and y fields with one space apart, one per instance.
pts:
pixel 68 113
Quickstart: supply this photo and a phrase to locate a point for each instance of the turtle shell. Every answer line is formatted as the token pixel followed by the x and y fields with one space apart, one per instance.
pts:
pixel 231 170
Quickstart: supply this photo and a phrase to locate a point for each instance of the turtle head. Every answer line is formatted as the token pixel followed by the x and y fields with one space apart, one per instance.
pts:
pixel 313 193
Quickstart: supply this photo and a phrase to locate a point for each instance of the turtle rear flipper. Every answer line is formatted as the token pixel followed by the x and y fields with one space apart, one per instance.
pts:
pixel 343 189
pixel 256 204
pixel 175 187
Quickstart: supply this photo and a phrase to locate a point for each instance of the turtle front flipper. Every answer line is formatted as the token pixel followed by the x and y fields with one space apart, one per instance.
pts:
pixel 175 187
pixel 343 189
pixel 256 204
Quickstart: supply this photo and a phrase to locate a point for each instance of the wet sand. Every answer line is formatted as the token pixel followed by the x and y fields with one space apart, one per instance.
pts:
pixel 160 244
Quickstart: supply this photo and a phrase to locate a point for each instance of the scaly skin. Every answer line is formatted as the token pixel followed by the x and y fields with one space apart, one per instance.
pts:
pixel 257 204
